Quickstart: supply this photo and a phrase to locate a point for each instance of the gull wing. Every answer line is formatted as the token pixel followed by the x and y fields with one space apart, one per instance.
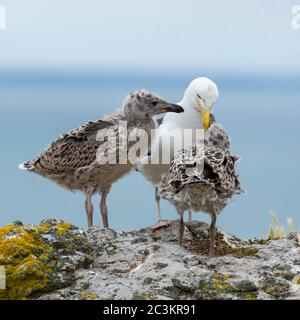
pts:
pixel 72 150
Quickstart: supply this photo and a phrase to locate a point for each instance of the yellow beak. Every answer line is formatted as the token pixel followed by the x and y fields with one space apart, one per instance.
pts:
pixel 206 118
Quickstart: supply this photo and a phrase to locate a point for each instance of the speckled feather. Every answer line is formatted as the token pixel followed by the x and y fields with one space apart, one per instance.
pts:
pixel 71 151
pixel 207 187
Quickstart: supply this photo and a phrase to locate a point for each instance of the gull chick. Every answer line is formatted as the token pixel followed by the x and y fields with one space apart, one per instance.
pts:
pixel 74 159
pixel 203 179
pixel 197 102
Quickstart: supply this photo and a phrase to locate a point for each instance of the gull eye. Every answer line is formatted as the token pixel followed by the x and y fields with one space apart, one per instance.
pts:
pixel 154 103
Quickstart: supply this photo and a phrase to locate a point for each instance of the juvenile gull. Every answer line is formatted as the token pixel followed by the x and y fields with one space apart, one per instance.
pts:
pixel 72 160
pixel 197 102
pixel 203 179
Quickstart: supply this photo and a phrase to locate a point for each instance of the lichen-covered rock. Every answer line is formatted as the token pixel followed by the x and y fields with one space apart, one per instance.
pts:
pixel 41 258
pixel 147 264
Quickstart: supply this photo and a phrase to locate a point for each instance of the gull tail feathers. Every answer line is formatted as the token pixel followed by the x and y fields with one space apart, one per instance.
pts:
pixel 25 166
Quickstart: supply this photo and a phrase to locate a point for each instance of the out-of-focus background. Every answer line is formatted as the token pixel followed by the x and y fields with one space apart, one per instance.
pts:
pixel 65 62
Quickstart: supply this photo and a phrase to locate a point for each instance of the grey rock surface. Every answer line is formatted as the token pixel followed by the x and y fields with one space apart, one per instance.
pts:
pixel 145 264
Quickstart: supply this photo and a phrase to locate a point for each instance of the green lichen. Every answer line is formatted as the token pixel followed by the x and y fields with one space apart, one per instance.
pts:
pixel 216 288
pixel 296 280
pixel 220 282
pixel 219 236
pixel 243 251
pixel 276 289
pixel 111 250
pixel 285 274
pixel 258 241
pixel 249 296
pixel 87 295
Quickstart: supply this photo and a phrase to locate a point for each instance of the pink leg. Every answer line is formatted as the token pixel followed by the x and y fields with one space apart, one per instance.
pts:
pixel 103 207
pixel 212 234
pixel 89 207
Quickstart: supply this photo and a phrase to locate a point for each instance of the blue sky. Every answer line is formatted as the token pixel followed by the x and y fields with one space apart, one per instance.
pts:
pixel 193 37
pixel 227 35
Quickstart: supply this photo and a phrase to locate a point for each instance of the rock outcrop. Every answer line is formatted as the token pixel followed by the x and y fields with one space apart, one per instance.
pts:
pixel 56 260
pixel 41 258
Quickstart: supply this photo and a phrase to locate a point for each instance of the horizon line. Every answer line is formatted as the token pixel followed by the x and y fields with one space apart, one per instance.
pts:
pixel 75 77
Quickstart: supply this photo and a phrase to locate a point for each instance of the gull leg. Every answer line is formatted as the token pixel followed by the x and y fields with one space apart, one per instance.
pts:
pixel 190 215
pixel 212 234
pixel 103 207
pixel 160 223
pixel 157 200
pixel 89 206
pixel 181 225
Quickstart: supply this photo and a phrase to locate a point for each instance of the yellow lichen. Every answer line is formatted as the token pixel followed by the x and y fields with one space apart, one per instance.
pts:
pixel 250 296
pixel 244 251
pixel 43 227
pixel 88 296
pixel 29 254
pixel 62 228
pixel 296 280
pixel 220 282
pixel 23 255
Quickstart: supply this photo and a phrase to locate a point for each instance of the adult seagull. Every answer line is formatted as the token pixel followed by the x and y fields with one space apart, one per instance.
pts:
pixel 197 102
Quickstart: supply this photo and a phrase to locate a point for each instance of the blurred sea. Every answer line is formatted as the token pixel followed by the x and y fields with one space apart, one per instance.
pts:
pixel 261 114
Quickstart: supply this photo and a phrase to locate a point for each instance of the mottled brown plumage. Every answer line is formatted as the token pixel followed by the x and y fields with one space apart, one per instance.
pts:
pixel 202 179
pixel 76 160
